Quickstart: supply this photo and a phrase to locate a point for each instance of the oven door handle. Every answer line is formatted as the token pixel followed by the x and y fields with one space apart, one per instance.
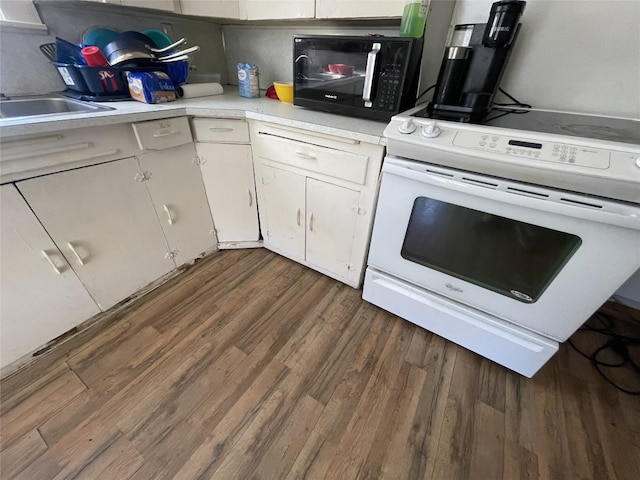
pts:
pixel 504 191
pixel 370 71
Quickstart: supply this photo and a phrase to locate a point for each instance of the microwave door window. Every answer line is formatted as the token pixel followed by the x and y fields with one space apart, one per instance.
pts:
pixel 510 257
pixel 331 71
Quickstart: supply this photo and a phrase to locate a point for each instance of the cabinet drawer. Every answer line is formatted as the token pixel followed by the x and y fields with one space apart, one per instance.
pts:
pixel 328 161
pixel 161 134
pixel 40 154
pixel 221 130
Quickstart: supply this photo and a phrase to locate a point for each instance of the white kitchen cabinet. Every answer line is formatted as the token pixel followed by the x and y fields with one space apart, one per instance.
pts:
pixel 292 9
pixel 332 214
pixel 283 211
pixel 227 171
pixel 276 9
pixel 168 5
pixel 309 220
pixel 211 8
pixel 250 9
pixel 226 164
pixel 359 8
pixel 102 220
pixel 177 192
pixel 42 297
pixel 38 154
pixel 316 195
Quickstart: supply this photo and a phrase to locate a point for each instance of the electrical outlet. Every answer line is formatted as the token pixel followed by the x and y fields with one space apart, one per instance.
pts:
pixel 167 28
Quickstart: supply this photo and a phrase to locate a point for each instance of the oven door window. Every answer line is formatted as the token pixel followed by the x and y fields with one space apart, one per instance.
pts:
pixel 510 257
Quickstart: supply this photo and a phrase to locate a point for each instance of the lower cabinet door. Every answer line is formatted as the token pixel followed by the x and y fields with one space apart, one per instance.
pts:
pixel 332 212
pixel 227 171
pixel 102 220
pixel 282 211
pixel 178 195
pixel 42 297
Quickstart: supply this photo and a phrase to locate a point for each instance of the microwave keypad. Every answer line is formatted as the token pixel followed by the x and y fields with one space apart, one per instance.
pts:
pixel 389 90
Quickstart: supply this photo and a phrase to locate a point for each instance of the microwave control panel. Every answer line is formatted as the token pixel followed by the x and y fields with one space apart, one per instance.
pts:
pixel 391 71
pixel 389 90
pixel 546 151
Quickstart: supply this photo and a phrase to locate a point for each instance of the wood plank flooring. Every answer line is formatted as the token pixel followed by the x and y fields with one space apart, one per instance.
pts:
pixel 250 366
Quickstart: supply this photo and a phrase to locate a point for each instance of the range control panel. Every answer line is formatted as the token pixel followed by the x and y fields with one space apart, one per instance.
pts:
pixel 546 151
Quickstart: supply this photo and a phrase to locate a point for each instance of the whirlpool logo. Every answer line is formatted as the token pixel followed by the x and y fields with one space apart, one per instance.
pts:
pixel 453 288
pixel 331 97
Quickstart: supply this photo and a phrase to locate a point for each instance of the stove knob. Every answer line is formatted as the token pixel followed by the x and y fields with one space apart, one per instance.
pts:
pixel 407 126
pixel 638 162
pixel 431 130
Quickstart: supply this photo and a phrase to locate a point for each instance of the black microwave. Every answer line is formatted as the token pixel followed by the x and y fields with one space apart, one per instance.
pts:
pixel 372 77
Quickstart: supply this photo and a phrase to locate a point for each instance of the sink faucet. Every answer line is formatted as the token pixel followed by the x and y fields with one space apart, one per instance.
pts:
pixel 4 97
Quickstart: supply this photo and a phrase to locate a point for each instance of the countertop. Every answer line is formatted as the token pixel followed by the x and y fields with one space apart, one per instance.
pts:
pixel 227 105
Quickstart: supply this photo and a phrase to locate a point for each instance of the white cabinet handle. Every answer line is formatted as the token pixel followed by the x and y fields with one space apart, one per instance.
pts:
pixel 311 223
pixel 28 153
pixel 305 155
pixel 166 134
pixel 142 176
pixel 250 197
pixel 73 250
pixel 55 267
pixel 298 218
pixel 221 129
pixel 169 217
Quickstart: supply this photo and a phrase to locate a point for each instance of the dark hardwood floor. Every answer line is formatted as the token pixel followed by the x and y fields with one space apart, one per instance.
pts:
pixel 250 366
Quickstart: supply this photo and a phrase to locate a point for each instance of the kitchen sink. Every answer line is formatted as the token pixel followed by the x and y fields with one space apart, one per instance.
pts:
pixel 45 105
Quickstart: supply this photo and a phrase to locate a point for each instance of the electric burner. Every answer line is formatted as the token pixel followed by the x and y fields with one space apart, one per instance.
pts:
pixel 544 121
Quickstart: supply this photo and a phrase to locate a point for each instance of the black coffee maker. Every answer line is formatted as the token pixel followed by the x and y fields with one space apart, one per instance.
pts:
pixel 474 62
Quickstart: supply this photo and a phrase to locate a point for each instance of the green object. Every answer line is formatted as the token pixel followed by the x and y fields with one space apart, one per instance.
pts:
pixel 414 18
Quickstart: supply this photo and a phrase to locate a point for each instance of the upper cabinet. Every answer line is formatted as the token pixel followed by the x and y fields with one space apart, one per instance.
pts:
pixel 359 8
pixel 168 5
pixel 276 9
pixel 211 8
pixel 250 9
pixel 292 9
pixel 273 9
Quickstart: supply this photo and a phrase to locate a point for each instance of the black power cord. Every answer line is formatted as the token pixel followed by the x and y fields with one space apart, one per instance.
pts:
pixel 516 103
pixel 614 353
pixel 424 93
pixel 508 111
pixel 496 106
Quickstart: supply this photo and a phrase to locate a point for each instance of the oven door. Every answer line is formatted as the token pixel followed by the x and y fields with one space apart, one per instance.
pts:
pixel 539 258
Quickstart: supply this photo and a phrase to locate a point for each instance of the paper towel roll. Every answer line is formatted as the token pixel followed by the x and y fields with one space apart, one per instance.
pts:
pixel 199 90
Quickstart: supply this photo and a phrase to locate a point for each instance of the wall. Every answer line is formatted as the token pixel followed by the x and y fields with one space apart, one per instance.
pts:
pixel 572 55
pixel 271 47
pixel 24 70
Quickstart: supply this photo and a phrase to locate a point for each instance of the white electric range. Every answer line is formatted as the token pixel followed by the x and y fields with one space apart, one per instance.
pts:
pixel 505 236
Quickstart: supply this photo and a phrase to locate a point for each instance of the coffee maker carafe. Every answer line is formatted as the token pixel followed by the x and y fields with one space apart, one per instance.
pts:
pixel 474 63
